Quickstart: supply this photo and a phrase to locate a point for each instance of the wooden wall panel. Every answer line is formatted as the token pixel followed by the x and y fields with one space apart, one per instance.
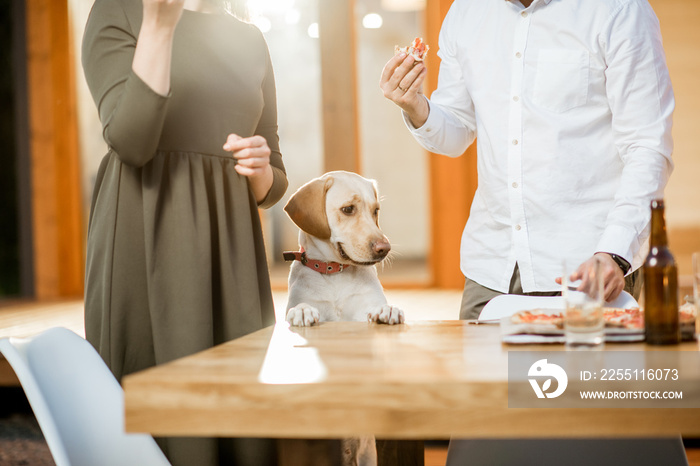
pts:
pixel 54 157
pixel 452 180
pixel 341 147
pixel 679 21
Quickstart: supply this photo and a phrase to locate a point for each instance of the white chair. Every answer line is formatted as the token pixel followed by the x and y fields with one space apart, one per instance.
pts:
pixel 77 401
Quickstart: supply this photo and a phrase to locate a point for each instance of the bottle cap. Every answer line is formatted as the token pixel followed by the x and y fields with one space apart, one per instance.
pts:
pixel 657 204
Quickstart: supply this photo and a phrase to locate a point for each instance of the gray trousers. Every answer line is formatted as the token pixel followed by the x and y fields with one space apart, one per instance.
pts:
pixel 475 296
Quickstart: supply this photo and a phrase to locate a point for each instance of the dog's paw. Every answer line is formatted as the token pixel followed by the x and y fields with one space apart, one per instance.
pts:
pixel 302 315
pixel 387 314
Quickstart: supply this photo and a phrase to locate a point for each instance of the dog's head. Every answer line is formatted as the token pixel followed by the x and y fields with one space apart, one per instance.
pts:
pixel 342 208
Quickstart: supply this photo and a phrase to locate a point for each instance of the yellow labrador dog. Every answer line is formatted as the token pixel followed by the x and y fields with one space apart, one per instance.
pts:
pixel 334 276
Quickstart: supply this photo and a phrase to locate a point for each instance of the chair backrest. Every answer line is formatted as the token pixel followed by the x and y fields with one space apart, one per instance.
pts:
pixel 77 401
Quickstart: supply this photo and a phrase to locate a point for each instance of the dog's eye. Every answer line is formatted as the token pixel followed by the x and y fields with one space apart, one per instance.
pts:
pixel 348 209
pixel 376 212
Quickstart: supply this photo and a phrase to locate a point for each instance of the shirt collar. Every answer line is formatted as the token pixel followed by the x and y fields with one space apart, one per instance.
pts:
pixel 545 1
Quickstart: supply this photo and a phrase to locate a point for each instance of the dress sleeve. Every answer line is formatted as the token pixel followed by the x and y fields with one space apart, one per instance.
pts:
pixel 132 114
pixel 267 128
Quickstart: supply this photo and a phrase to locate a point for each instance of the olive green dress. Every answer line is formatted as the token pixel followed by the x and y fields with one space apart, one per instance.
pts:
pixel 175 258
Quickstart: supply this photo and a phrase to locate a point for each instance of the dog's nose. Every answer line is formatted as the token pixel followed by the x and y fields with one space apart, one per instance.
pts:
pixel 381 248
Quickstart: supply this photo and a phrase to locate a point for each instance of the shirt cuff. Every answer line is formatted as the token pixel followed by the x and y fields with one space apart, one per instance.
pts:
pixel 428 127
pixel 618 240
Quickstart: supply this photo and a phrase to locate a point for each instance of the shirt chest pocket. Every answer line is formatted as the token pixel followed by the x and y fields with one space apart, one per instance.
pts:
pixel 561 79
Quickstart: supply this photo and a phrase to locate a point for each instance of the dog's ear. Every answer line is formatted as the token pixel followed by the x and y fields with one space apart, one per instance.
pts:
pixel 307 207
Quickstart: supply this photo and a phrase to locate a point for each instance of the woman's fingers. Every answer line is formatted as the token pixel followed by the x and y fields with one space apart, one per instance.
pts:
pixel 246 171
pixel 246 147
pixel 252 154
pixel 162 13
pixel 252 159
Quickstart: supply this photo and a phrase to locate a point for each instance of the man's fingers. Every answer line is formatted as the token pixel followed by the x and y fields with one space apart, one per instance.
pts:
pixel 403 69
pixel 417 84
pixel 615 293
pixel 576 276
pixel 390 67
pixel 392 84
pixel 413 79
pixel 613 287
pixel 611 292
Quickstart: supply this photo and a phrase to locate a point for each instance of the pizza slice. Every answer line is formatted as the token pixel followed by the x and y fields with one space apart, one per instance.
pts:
pixel 418 49
pixel 546 317
pixel 632 318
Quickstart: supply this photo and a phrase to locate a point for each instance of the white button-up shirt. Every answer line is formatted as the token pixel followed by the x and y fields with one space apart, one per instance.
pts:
pixel 571 104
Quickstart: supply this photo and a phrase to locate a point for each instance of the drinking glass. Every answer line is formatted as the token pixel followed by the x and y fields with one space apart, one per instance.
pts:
pixel 583 316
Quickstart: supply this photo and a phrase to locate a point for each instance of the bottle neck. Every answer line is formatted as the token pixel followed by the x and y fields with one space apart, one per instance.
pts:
pixel 658 228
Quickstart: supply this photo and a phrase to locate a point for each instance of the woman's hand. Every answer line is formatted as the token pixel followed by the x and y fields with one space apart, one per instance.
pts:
pixel 154 46
pixel 162 14
pixel 401 82
pixel 253 157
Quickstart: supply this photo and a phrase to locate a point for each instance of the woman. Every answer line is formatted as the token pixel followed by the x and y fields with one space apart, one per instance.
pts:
pixel 175 260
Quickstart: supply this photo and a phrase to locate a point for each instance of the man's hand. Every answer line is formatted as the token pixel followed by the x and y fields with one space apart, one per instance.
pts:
pixel 613 278
pixel 401 82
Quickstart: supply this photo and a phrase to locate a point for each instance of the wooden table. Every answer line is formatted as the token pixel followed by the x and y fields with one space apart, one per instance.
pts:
pixel 420 380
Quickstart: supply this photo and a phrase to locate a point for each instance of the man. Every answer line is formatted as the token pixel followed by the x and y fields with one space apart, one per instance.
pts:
pixel 571 104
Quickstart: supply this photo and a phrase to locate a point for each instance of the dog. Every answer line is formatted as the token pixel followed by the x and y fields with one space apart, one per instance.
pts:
pixel 333 277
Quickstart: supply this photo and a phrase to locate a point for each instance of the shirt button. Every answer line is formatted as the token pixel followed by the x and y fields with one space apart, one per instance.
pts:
pixel 524 14
pixel 428 130
pixel 516 98
pixel 515 142
pixel 517 227
pixel 515 185
pixel 518 55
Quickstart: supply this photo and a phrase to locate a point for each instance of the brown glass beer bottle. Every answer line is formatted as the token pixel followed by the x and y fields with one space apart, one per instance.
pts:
pixel 660 284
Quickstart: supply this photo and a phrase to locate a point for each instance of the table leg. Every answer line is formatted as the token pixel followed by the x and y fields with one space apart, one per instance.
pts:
pixel 305 452
pixel 400 453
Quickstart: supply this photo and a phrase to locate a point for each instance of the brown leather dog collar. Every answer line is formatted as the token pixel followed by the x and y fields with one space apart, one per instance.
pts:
pixel 326 268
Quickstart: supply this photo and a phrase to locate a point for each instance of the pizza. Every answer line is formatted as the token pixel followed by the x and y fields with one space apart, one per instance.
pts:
pixel 623 318
pixel 615 318
pixel 632 318
pixel 418 49
pixel 547 317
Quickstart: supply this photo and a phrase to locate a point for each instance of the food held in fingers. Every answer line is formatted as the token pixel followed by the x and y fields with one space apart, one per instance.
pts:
pixel 418 49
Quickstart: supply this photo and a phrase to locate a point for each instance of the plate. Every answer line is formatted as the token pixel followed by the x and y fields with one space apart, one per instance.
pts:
pixel 509 304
